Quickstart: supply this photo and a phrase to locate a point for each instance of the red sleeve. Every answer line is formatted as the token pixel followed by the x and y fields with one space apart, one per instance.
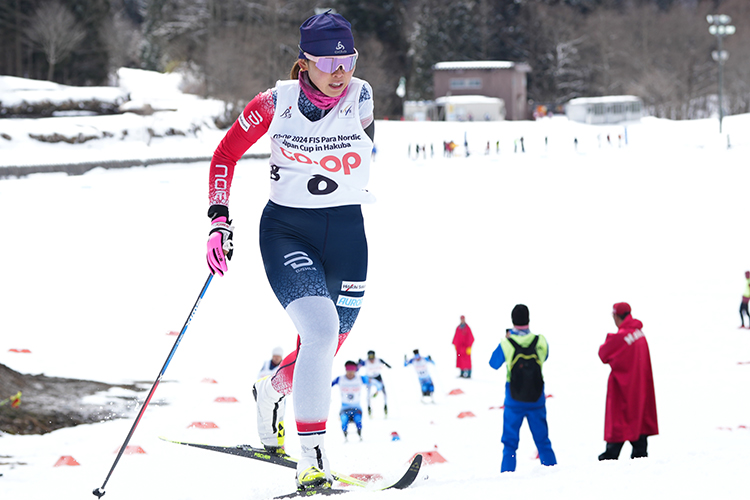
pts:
pixel 251 125
pixel 611 347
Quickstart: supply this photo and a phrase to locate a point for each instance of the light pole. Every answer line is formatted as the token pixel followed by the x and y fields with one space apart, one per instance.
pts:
pixel 720 27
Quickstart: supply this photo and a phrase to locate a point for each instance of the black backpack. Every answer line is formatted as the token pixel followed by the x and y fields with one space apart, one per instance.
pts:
pixel 526 382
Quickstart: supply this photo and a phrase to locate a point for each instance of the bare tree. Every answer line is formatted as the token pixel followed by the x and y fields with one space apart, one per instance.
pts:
pixel 123 41
pixel 374 67
pixel 250 46
pixel 737 67
pixel 554 53
pixel 56 31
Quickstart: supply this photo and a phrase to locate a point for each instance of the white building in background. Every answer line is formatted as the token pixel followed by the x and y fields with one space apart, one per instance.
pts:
pixel 606 109
pixel 504 80
pixel 419 111
pixel 457 108
pixel 463 108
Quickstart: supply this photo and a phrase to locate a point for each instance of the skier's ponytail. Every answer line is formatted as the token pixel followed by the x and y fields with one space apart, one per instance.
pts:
pixel 294 73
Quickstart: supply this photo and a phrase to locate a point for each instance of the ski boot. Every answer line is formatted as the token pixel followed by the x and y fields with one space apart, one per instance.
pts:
pixel 313 470
pixel 270 410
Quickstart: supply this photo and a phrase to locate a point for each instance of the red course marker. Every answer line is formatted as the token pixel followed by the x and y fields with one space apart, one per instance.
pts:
pixel 66 460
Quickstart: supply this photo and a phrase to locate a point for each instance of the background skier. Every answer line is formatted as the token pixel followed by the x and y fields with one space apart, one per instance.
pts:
pixel 351 387
pixel 269 367
pixel 745 301
pixel 423 372
pixel 373 367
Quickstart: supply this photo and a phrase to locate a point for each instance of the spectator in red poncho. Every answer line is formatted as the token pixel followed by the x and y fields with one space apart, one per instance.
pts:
pixel 631 403
pixel 463 340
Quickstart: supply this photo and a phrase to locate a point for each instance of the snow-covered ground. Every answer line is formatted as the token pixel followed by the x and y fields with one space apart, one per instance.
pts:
pixel 100 268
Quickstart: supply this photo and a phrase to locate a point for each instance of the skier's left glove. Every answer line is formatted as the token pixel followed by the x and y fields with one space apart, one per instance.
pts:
pixel 220 246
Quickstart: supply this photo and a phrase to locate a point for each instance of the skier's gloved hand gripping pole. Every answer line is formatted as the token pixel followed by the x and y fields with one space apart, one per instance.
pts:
pixel 219 239
pixel 219 246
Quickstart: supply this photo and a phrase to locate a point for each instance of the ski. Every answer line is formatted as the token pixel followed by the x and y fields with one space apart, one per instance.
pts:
pixel 263 455
pixel 312 492
pixel 242 450
pixel 406 480
pixel 409 476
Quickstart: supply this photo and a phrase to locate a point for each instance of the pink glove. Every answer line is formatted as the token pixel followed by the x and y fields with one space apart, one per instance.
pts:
pixel 220 247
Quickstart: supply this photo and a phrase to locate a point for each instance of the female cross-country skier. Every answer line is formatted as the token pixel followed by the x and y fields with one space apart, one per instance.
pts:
pixel 312 238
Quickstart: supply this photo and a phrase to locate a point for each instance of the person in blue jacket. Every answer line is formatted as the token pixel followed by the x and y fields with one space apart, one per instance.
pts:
pixel 524 355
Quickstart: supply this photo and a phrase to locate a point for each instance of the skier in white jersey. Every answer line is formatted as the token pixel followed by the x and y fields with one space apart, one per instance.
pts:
pixel 270 366
pixel 373 367
pixel 312 238
pixel 351 386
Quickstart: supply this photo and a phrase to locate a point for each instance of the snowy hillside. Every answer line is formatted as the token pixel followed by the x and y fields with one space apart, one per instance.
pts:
pixel 101 267
pixel 156 113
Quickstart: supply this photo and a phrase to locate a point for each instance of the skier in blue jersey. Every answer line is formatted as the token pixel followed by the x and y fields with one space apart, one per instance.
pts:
pixel 351 386
pixel 423 372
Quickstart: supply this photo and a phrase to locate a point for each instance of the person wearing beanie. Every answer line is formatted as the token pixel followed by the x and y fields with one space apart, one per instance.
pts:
pixel 351 387
pixel 270 366
pixel 745 301
pixel 463 339
pixel 524 355
pixel 320 123
pixel 631 400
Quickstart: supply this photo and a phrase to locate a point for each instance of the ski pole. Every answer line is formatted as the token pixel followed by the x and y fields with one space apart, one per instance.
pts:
pixel 99 492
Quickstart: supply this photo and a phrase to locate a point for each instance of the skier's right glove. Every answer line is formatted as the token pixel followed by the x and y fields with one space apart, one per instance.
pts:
pixel 220 247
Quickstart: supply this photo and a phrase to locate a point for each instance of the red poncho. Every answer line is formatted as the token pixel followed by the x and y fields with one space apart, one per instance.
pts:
pixel 463 339
pixel 631 402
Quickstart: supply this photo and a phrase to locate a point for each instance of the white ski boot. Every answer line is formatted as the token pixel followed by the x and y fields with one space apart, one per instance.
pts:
pixel 313 470
pixel 270 409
